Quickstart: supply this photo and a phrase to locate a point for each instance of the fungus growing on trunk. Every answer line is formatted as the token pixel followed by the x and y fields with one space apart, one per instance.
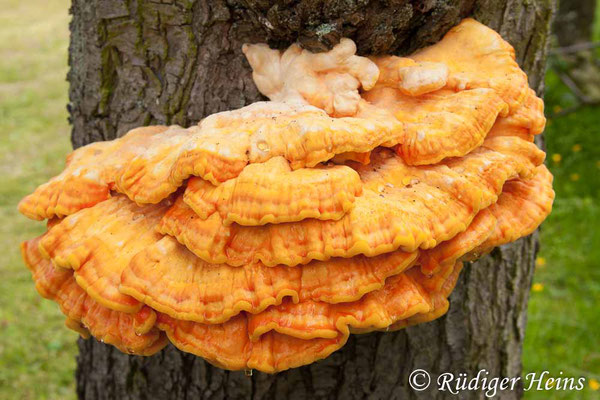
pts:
pixel 263 237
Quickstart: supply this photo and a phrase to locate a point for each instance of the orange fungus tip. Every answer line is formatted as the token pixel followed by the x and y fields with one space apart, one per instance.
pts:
pixel 261 238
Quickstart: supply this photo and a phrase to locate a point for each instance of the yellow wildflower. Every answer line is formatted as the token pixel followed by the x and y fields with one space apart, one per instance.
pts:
pixel 540 262
pixel 538 287
pixel 576 148
pixel 556 157
pixel 594 384
pixel 575 177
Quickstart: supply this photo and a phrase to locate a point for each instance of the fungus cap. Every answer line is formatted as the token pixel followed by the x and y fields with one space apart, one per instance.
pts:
pixel 401 207
pixel 131 333
pixel 99 242
pixel 290 335
pixel 170 279
pixel 88 177
pixel 410 77
pixel 440 124
pixel 478 57
pixel 272 193
pixel 329 80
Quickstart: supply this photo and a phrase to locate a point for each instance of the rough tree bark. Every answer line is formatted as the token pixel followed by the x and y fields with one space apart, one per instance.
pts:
pixel 139 62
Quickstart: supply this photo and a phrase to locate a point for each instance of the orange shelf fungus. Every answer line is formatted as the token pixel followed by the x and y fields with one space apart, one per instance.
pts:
pixel 263 237
pixel 89 176
pixel 329 81
pixel 478 57
pixel 133 333
pixel 272 193
pixel 440 124
pixel 523 203
pixel 410 77
pixel 525 122
pixel 401 207
pixel 98 243
pixel 202 292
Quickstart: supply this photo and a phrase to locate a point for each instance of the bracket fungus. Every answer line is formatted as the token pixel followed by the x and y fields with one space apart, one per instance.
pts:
pixel 263 237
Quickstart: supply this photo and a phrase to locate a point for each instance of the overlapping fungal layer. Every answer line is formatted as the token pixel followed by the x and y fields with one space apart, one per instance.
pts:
pixel 263 237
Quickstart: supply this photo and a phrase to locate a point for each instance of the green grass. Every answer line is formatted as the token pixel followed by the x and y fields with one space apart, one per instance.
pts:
pixel 37 353
pixel 36 350
pixel 563 327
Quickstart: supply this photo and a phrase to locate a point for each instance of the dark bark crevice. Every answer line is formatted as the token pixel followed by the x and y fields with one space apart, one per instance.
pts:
pixel 140 62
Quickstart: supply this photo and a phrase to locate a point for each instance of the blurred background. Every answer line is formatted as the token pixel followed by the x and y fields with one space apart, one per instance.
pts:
pixel 37 353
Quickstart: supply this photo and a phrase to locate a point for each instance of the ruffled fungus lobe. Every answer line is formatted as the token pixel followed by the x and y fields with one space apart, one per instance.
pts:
pixel 98 243
pixel 441 124
pixel 263 237
pixel 446 253
pixel 185 287
pixel 328 80
pixel 401 207
pixel 522 204
pixel 131 333
pixel 290 335
pixel 88 177
pixel 272 193
pixel 410 77
pixel 222 145
pixel 525 122
pixel 478 57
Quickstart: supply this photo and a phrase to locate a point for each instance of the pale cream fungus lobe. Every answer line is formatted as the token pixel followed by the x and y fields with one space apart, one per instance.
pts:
pixel 329 81
pixel 262 237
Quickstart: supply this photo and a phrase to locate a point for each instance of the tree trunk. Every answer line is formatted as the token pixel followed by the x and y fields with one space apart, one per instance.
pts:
pixel 140 62
pixel 574 21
